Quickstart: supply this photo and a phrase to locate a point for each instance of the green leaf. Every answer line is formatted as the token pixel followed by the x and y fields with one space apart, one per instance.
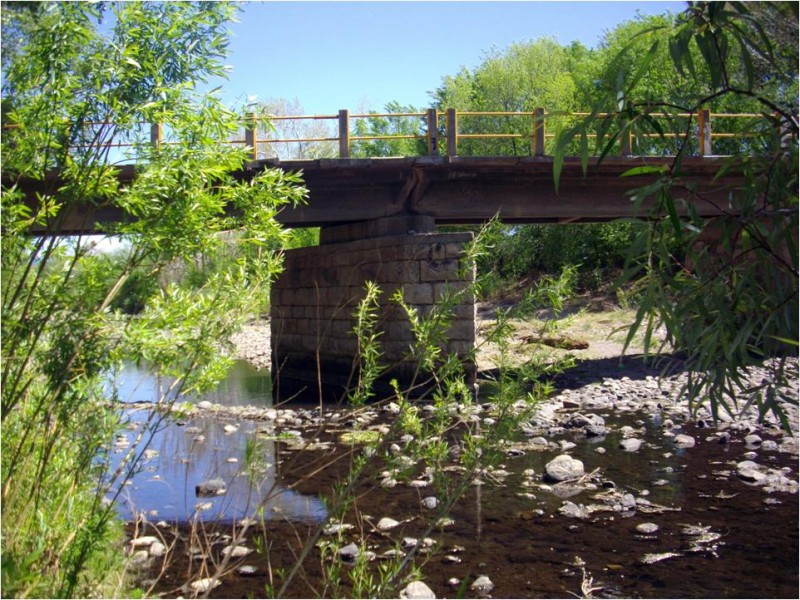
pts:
pixel 645 170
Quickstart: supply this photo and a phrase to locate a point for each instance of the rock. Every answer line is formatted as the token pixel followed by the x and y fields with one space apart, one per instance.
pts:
pixel 444 522
pixel 139 558
pixel 647 528
pixel 750 471
pixel 236 551
pixel 145 540
pixel 417 589
pixel 649 559
pixel 334 528
pixel 205 405
pixel 246 570
pixel 430 502
pixel 752 441
pixel 201 586
pixel 566 490
pixel 769 445
pixel 683 441
pixel 385 524
pixel 572 510
pixel 631 444
pixel 212 487
pixel 595 430
pixel 482 586
pixel 158 549
pixel 563 468
pixel 348 553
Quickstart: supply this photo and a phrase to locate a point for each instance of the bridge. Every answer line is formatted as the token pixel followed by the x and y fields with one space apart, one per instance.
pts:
pixel 378 219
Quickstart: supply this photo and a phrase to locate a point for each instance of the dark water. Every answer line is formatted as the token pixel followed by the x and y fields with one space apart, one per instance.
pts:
pixel 508 530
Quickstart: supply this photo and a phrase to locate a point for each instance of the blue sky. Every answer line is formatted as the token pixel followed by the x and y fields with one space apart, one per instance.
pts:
pixel 361 55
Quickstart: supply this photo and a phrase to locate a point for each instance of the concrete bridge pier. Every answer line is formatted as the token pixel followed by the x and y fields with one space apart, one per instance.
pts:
pixel 314 347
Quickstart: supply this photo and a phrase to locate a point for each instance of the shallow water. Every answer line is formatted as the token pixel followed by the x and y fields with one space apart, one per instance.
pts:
pixel 244 386
pixel 717 536
pixel 187 453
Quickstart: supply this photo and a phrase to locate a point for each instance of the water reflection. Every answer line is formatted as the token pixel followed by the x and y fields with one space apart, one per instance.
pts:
pixel 244 386
pixel 183 455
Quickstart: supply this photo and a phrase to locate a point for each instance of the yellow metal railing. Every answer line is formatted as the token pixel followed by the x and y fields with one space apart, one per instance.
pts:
pixel 438 125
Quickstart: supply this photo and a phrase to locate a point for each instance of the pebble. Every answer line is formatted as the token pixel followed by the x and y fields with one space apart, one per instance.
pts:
pixel 201 586
pixel 430 502
pixel 236 551
pixel 385 524
pixel 563 468
pixel 631 444
pixel 145 540
pixel 349 552
pixel 683 441
pixel 211 487
pixel 417 589
pixel 158 549
pixel 482 586
pixel 647 528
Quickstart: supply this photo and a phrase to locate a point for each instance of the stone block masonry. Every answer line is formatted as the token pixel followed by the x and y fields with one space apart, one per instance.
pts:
pixel 314 347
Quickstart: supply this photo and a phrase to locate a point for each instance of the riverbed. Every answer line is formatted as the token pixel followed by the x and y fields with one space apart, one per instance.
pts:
pixel 667 506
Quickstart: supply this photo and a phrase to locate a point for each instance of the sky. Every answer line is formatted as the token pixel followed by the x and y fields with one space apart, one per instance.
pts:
pixel 362 55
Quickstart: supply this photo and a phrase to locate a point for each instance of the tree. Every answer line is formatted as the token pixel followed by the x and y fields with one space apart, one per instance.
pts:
pixel 729 301
pixel 291 129
pixel 521 78
pixel 409 133
pixel 79 78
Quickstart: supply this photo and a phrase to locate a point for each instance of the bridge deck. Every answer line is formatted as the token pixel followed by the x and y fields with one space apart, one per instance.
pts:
pixel 463 190
pixel 455 190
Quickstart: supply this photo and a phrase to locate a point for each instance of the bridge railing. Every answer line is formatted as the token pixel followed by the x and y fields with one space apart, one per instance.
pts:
pixel 530 133
pixel 444 132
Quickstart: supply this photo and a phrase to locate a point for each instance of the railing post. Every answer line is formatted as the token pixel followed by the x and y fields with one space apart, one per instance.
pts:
pixel 704 132
pixel 625 146
pixel 155 135
pixel 433 132
pixel 784 133
pixel 344 134
pixel 451 131
pixel 538 132
pixel 251 134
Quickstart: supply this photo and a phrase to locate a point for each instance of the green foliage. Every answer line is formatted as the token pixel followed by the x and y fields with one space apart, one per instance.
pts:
pixel 522 78
pixel 519 252
pixel 402 129
pixel 730 299
pixel 72 85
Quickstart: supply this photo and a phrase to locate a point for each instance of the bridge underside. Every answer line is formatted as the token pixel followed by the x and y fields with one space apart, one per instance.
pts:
pixel 460 190
pixel 452 190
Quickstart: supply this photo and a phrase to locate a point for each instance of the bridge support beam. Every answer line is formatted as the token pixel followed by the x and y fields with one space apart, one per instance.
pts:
pixel 314 347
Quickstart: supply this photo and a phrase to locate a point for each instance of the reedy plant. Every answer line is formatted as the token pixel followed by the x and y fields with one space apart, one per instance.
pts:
pixel 455 440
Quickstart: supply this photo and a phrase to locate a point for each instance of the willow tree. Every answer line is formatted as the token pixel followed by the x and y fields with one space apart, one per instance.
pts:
pixel 79 78
pixel 729 299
